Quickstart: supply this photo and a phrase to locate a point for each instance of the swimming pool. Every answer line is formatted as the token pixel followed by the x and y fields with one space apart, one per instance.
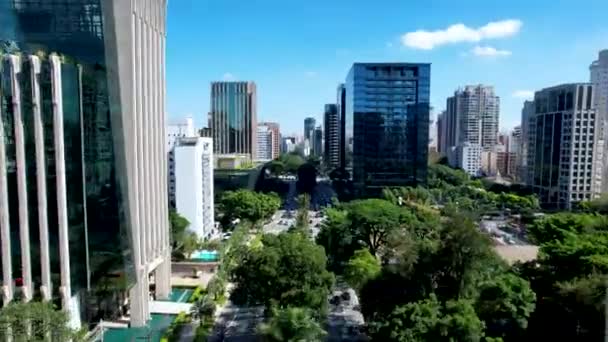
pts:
pixel 205 255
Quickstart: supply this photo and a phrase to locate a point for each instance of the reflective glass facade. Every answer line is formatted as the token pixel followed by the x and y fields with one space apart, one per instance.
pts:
pixel 234 117
pixel 387 120
pixel 101 261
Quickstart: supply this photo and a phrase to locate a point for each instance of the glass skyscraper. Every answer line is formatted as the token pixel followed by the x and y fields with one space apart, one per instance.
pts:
pixel 83 202
pixel 234 118
pixel 387 119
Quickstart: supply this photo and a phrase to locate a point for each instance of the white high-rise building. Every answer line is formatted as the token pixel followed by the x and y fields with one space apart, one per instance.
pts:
pixel 469 123
pixel 599 79
pixel 468 157
pixel 472 116
pixel 194 184
pixel 175 131
pixel 264 144
pixel 179 129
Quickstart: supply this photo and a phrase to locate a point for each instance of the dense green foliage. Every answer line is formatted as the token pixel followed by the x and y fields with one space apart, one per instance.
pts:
pixel 36 322
pixel 288 270
pixel 248 206
pixel 292 325
pixel 302 218
pixel 183 241
pixel 361 268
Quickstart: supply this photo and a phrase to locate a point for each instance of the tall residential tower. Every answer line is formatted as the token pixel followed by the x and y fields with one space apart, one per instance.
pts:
pixel 599 79
pixel 331 123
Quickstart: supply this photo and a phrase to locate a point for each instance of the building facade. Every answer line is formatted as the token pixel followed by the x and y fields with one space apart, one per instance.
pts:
pixel 194 184
pixel 317 142
pixel 599 78
pixel 273 145
pixel 234 117
pixel 441 145
pixel 472 116
pixel 288 144
pixel 331 123
pixel 264 146
pixel 309 129
pixel 387 118
pixel 341 103
pixel 176 131
pixel 468 158
pixel 83 192
pixel 562 146
pixel 527 113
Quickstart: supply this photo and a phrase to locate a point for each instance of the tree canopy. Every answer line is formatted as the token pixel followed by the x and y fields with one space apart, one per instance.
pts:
pixel 247 205
pixel 36 322
pixel 289 270
pixel 292 325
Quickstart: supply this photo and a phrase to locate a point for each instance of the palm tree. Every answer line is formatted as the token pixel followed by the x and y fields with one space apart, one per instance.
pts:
pixel 292 325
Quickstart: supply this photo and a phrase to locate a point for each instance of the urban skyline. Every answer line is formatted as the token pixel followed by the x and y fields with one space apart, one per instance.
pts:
pixel 307 74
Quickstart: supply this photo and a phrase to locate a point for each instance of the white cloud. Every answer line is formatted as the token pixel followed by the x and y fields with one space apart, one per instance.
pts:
pixel 488 51
pixel 523 94
pixel 311 74
pixel 228 77
pixel 460 33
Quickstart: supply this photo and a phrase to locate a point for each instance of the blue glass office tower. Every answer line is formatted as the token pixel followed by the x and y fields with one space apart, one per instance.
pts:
pixel 83 202
pixel 387 120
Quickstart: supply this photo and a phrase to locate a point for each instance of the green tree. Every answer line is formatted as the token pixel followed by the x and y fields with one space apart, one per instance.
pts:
pixel 179 228
pixel 302 218
pixel 556 226
pixel 202 308
pixel 288 270
pixel 429 320
pixel 362 267
pixel 292 325
pixel 374 221
pixel 337 237
pixel 291 162
pixel 505 304
pixel 247 206
pixel 36 322
pixel 276 167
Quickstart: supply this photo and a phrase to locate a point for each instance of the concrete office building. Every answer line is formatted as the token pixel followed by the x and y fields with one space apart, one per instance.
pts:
pixel 83 184
pixel 341 103
pixel 194 184
pixel 234 118
pixel 317 142
pixel 468 157
pixel 179 129
pixel 441 132
pixel 175 131
pixel 264 146
pixel 562 146
pixel 288 144
pixel 599 79
pixel 331 123
pixel 309 128
pixel 387 118
pixel 527 113
pixel 272 142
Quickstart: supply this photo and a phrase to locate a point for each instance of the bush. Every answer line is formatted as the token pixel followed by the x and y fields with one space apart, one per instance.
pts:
pixel 175 328
pixel 202 331
pixel 198 294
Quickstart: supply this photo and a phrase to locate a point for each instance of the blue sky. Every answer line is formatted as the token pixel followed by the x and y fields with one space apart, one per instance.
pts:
pixel 297 51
